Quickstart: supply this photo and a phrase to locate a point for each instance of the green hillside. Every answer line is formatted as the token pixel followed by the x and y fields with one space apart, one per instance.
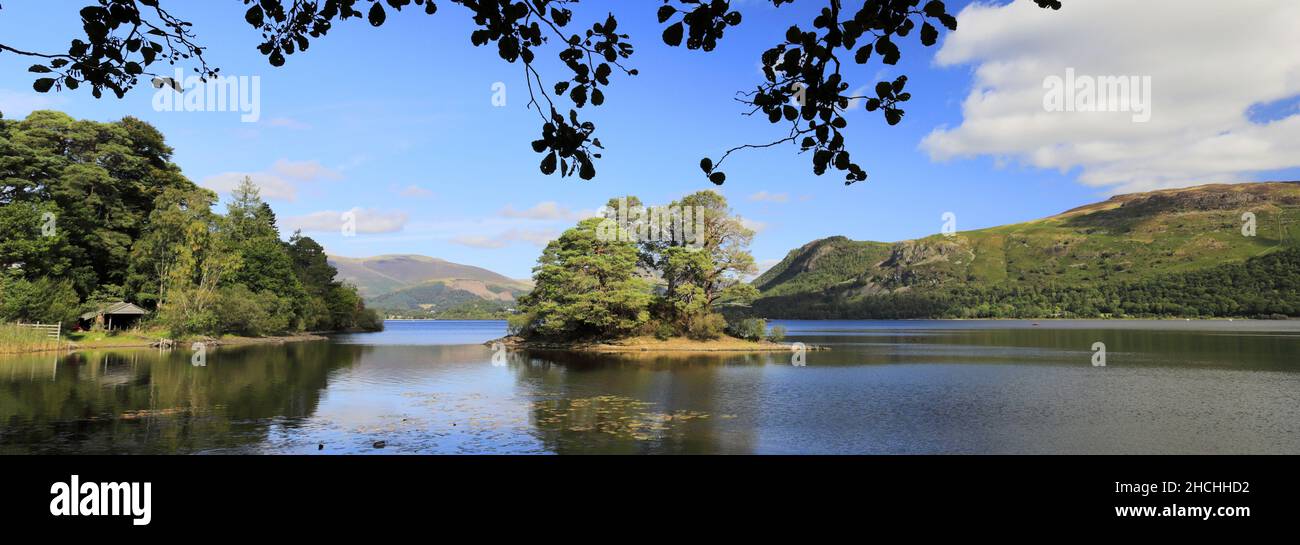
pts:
pixel 416 286
pixel 445 295
pixel 1097 260
pixel 375 276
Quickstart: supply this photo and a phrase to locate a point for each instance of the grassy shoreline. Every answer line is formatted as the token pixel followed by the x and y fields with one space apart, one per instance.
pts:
pixel 20 340
pixel 99 341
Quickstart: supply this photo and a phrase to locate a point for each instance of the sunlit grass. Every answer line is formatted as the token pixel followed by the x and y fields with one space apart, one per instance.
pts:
pixel 15 339
pixel 135 334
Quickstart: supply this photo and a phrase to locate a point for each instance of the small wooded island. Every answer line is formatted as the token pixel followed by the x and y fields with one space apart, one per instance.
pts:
pixel 642 278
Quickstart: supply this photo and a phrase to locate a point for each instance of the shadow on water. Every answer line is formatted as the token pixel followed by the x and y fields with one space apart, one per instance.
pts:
pixel 148 401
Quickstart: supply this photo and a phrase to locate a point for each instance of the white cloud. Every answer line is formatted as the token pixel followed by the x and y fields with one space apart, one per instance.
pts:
pixel 753 225
pixel 415 191
pixel 271 186
pixel 306 171
pixel 368 221
pixel 764 196
pixel 861 93
pixel 479 241
pixel 534 237
pixel 1209 63
pixel 278 182
pixel 547 211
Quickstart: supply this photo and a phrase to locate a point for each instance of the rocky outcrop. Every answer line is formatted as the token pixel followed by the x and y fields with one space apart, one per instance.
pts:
pixel 911 253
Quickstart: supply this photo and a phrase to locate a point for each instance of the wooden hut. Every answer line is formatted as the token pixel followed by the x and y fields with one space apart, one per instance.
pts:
pixel 119 315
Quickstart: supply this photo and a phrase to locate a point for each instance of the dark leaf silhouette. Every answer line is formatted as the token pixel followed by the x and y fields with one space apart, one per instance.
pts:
pixel 673 34
pixel 805 85
pixel 377 15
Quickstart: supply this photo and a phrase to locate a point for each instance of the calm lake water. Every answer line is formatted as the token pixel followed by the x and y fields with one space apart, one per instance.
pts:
pixel 885 387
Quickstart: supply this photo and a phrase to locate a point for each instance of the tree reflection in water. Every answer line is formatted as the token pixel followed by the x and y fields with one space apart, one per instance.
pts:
pixel 636 403
pixel 148 401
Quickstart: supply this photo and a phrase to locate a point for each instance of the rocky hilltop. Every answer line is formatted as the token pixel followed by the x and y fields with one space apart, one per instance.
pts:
pixel 1126 240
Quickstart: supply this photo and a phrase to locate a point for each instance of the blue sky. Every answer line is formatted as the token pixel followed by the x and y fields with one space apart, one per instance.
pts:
pixel 399 123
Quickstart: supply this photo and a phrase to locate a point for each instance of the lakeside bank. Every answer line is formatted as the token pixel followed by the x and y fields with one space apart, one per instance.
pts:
pixel 138 341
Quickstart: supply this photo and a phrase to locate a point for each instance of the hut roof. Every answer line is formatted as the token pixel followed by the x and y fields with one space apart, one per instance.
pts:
pixel 119 308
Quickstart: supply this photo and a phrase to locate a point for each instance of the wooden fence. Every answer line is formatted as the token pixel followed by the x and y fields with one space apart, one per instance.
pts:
pixel 53 331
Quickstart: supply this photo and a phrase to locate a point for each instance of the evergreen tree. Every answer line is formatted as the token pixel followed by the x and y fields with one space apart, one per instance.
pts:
pixel 95 212
pixel 586 288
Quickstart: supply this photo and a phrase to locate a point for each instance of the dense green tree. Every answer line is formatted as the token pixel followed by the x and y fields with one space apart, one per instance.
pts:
pixel 99 180
pixel 311 263
pixel 241 311
pixel 592 281
pixel 346 308
pixel 724 240
pixel 95 213
pixel 181 231
pixel 33 244
pixel 316 276
pixel 191 253
pixel 329 304
pixel 37 301
pixel 267 265
pixel 697 250
pixel 586 288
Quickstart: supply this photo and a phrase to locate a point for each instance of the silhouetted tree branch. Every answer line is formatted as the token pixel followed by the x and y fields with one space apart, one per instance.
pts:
pixel 805 75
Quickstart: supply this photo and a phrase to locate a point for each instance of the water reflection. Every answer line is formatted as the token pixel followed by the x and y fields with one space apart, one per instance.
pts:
pixel 156 401
pixel 635 403
pixel 896 387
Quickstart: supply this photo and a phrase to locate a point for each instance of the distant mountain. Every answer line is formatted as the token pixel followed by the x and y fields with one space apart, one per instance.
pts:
pixel 1156 253
pixel 442 295
pixel 415 282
